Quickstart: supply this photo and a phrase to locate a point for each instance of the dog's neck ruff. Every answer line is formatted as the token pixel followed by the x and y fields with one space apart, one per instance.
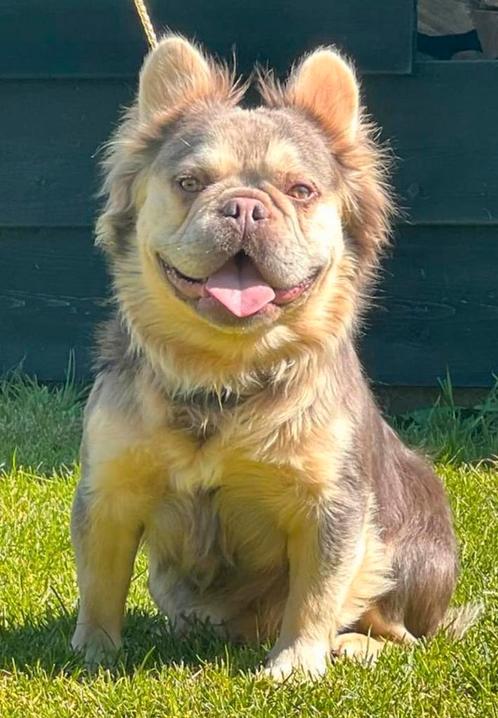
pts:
pixel 210 400
pixel 213 399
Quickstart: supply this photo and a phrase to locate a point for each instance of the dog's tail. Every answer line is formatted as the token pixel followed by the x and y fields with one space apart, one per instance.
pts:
pixel 459 619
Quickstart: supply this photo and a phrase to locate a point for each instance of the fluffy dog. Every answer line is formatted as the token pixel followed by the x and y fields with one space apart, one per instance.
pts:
pixel 230 427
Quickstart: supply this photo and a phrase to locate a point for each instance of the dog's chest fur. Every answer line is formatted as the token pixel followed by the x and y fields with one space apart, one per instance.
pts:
pixel 242 503
pixel 209 534
pixel 222 486
pixel 222 508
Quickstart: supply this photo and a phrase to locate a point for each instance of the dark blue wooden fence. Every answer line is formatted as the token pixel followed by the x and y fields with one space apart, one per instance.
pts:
pixel 67 68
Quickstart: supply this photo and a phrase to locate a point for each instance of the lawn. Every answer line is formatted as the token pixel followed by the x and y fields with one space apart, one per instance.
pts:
pixel 161 676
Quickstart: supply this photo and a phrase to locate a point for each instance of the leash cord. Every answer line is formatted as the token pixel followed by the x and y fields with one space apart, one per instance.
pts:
pixel 147 25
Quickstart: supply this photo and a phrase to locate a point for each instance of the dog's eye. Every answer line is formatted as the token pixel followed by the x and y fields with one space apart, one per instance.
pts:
pixel 190 184
pixel 300 191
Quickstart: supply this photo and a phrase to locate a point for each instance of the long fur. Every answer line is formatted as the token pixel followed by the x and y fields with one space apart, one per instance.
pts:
pixel 252 460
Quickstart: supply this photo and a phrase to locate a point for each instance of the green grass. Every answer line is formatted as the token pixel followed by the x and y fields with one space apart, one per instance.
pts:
pixel 161 676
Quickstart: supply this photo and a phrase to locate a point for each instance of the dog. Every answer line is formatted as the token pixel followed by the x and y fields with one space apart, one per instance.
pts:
pixel 230 428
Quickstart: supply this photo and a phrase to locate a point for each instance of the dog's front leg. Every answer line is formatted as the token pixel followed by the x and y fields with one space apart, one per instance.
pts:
pixel 106 535
pixel 309 623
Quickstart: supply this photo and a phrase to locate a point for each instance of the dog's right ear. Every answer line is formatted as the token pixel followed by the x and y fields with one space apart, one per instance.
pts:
pixel 176 74
pixel 324 85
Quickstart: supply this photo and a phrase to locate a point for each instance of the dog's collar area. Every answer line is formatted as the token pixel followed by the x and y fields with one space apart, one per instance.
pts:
pixel 209 400
pixel 222 399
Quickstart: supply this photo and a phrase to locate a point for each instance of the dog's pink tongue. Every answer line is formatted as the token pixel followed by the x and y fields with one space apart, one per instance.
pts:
pixel 241 289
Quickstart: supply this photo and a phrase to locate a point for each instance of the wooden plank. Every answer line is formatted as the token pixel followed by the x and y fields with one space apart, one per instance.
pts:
pixel 52 294
pixel 103 37
pixel 441 123
pixel 437 309
pixel 437 306
pixel 51 132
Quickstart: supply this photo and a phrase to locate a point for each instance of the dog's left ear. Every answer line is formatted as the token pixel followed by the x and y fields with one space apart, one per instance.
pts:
pixel 176 74
pixel 325 86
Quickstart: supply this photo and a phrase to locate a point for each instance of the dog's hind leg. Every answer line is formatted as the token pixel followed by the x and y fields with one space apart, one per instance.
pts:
pixel 375 624
pixel 358 646
pixel 415 520
pixel 424 573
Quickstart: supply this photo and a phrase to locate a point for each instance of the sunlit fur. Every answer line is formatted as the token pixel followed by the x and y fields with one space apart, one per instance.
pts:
pixel 293 512
pixel 365 209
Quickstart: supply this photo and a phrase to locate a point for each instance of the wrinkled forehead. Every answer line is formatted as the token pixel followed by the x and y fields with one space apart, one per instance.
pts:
pixel 243 142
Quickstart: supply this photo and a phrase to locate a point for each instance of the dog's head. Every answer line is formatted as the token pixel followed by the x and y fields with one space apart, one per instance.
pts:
pixel 224 223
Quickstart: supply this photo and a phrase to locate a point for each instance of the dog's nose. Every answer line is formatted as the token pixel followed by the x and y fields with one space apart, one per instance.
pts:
pixel 246 211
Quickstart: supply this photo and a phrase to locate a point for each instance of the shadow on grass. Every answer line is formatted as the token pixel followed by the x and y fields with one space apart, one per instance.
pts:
pixel 149 645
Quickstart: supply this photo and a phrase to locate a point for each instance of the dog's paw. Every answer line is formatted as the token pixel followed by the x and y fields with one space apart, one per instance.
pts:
pixel 300 661
pixel 357 646
pixel 96 646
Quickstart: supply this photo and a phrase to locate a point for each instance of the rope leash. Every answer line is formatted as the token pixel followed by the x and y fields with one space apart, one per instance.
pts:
pixel 147 25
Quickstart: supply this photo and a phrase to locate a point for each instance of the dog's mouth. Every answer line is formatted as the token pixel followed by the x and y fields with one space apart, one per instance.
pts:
pixel 238 286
